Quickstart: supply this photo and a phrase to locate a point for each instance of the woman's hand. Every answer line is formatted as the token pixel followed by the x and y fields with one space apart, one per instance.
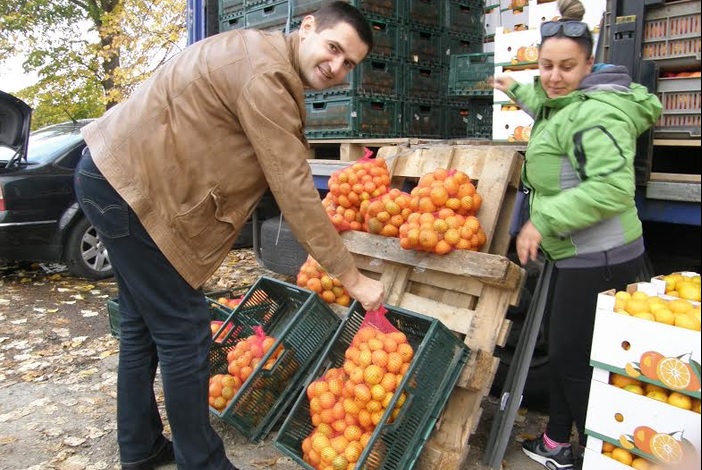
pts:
pixel 528 242
pixel 503 82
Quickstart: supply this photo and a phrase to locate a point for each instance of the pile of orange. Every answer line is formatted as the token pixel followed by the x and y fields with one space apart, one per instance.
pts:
pixel 242 360
pixel 443 205
pixel 683 286
pixel 361 181
pixel 676 312
pixel 386 214
pixel 314 277
pixel 229 302
pixel 625 457
pixel 442 232
pixel 452 189
pixel 347 403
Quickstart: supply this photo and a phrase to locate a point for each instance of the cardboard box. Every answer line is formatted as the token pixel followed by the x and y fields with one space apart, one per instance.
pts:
pixel 620 341
pixel 540 11
pixel 614 414
pixel 489 47
pixel 659 281
pixel 492 21
pixel 512 19
pixel 522 76
pixel 508 43
pixel 596 461
pixel 506 123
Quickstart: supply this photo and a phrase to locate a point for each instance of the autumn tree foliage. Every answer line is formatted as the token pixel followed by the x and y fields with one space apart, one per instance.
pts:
pixel 88 55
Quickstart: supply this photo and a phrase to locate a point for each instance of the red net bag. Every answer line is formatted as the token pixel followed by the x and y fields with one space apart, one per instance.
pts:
pixel 360 181
pixel 377 320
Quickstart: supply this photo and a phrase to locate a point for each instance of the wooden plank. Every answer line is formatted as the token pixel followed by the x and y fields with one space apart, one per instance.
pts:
pixel 675 177
pixel 677 142
pixel 490 269
pixel 668 191
pixel 455 318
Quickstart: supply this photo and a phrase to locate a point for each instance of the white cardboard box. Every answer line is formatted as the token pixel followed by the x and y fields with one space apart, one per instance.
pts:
pixel 522 76
pixel 504 123
pixel 614 412
pixel 620 339
pixel 596 461
pixel 492 21
pixel 659 282
pixel 539 12
pixel 510 19
pixel 507 44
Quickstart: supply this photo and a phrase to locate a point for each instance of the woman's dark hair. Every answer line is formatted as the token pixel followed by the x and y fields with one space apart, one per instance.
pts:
pixel 573 10
pixel 331 14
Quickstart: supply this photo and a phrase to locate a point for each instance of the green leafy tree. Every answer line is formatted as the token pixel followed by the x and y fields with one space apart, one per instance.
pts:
pixel 88 55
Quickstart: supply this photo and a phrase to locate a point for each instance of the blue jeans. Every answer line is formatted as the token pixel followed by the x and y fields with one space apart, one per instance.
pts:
pixel 163 321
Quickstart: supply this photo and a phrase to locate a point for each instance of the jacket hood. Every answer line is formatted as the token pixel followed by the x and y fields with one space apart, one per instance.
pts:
pixel 612 84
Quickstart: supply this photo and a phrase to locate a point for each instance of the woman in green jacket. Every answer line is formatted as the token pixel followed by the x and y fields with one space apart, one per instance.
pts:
pixel 579 172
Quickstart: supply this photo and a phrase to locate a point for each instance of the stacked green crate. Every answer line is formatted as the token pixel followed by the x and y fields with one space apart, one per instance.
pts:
pixel 468 113
pixel 400 90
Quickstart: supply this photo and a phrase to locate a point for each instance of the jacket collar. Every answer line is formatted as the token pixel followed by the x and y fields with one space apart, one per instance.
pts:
pixel 293 42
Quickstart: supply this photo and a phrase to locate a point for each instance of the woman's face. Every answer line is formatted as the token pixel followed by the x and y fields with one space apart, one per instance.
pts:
pixel 562 65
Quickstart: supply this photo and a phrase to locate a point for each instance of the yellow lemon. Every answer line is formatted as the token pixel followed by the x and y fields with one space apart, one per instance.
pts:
pixel 664 315
pixel 641 464
pixel 695 312
pixel 656 303
pixel 680 400
pixel 635 306
pixel 645 316
pixel 689 291
pixel 639 295
pixel 607 446
pixel 685 320
pixel 696 279
pixel 633 388
pixel 653 387
pixel 622 455
pixel 657 395
pixel 696 405
pixel 680 306
pixel 622 381
pixel 669 282
pixel 622 295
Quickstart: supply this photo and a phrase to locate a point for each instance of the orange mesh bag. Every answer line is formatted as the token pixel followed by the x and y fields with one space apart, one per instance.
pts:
pixel 349 187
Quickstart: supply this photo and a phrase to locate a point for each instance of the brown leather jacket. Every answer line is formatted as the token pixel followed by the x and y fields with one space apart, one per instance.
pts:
pixel 195 147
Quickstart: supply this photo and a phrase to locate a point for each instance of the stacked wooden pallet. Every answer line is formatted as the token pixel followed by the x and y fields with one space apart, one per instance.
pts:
pixel 469 291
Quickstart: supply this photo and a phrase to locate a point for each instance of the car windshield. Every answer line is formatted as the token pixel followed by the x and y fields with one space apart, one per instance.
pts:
pixel 46 144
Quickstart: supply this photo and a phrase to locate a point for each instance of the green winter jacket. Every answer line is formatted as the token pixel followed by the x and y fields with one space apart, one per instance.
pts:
pixel 579 164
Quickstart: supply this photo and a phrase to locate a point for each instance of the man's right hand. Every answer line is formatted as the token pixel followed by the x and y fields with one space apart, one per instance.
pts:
pixel 368 292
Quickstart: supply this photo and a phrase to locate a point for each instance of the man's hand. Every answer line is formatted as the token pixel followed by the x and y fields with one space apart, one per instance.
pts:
pixel 369 292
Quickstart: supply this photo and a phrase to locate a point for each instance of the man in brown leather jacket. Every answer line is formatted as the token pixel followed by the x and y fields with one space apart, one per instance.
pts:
pixel 170 178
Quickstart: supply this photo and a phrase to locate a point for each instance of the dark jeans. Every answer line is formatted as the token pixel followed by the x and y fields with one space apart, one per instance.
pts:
pixel 573 297
pixel 163 321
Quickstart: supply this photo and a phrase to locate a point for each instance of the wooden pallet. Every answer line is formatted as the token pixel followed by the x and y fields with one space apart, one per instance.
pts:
pixel 354 149
pixel 470 292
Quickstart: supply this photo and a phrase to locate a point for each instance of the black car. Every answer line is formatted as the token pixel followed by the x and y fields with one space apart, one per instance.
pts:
pixel 40 219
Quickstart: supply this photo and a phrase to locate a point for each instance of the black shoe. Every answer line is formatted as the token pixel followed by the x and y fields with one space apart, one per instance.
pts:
pixel 556 459
pixel 164 456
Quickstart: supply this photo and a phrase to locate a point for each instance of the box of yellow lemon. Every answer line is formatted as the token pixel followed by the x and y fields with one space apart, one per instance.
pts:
pixel 685 285
pixel 650 434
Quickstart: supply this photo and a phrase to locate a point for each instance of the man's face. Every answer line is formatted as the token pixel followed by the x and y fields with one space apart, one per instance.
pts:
pixel 328 55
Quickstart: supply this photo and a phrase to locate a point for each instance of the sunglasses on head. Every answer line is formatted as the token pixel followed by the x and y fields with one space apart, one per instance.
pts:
pixel 572 29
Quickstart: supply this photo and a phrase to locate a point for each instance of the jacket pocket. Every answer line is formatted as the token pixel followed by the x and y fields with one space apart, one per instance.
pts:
pixel 204 226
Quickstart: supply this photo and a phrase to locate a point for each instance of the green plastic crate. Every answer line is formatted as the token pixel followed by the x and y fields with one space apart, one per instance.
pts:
pixel 428 12
pixel 352 116
pixel 217 310
pixel 374 77
pixel 423 119
pixel 468 74
pixel 424 82
pixel 470 119
pixel 301 322
pixel 466 16
pixel 227 7
pixel 424 45
pixel 439 357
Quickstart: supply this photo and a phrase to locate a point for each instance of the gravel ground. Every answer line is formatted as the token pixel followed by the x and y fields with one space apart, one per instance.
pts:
pixel 58 376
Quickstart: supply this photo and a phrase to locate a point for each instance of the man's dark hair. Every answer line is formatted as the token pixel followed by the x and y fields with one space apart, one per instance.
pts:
pixel 333 13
